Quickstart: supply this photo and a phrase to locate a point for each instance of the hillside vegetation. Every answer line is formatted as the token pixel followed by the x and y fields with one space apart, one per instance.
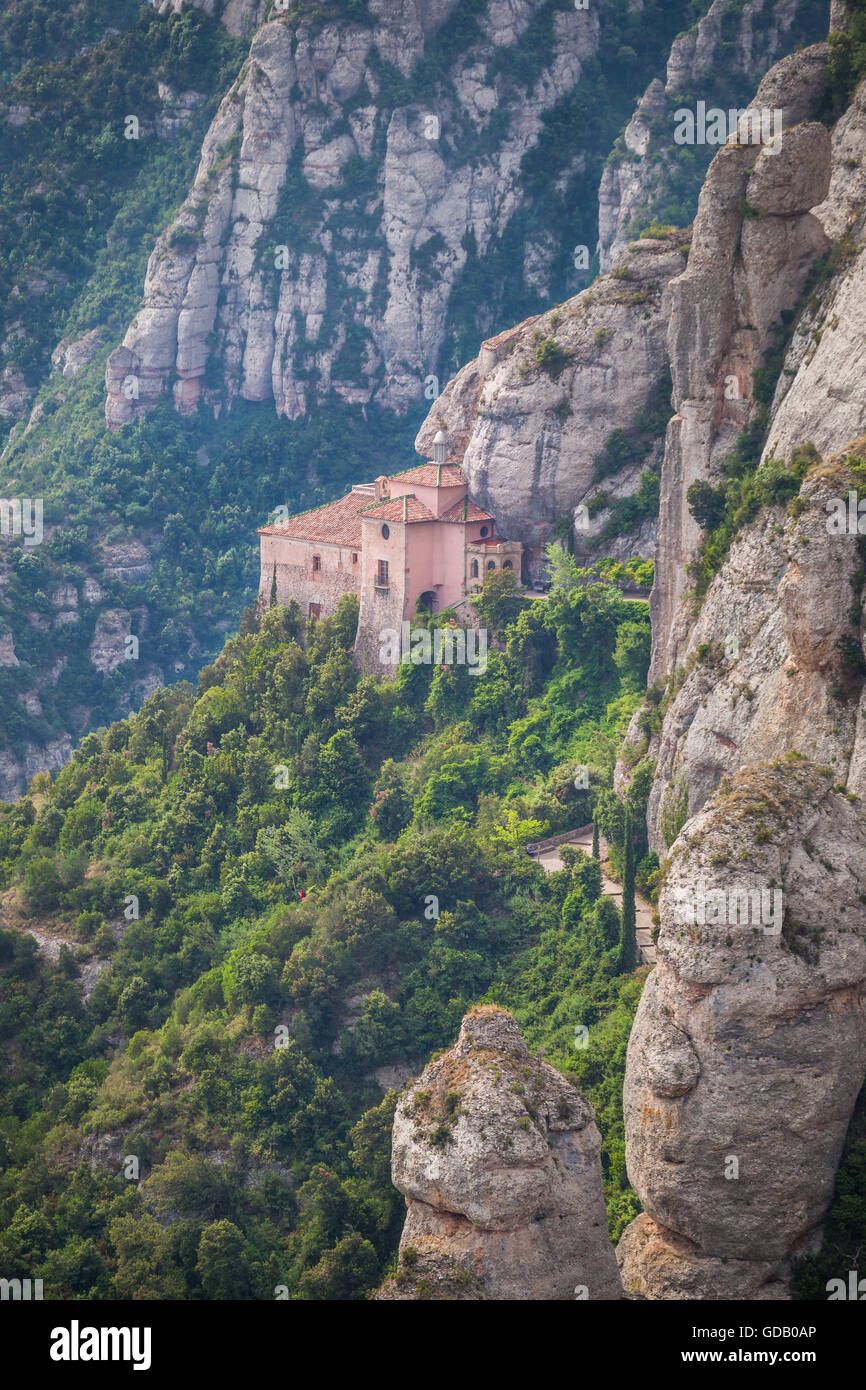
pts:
pixel 327 872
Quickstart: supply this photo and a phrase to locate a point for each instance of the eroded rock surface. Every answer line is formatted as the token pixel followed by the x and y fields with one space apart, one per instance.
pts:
pixel 247 279
pixel 498 1157
pixel 737 40
pixel 749 1045
pixel 528 435
pixel 744 272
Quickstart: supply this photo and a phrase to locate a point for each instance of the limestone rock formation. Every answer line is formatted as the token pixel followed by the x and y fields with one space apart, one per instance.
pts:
pixel 498 1158
pixel 765 666
pixel 108 647
pixel 749 1045
pixel 819 396
pixel 735 41
pixel 19 767
pixel 528 435
pixel 240 17
pixel 242 289
pixel 745 270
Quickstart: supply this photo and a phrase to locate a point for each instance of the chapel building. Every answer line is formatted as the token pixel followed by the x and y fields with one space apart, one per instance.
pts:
pixel 412 541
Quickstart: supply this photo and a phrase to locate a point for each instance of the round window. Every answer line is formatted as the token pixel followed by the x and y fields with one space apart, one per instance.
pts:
pixel 386 531
pixel 484 530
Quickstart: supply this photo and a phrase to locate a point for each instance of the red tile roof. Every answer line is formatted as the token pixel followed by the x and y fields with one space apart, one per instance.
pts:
pixel 472 512
pixel 399 509
pixel 338 523
pixel 432 475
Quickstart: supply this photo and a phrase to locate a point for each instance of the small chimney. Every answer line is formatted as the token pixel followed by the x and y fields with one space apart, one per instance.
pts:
pixel 383 488
pixel 439 446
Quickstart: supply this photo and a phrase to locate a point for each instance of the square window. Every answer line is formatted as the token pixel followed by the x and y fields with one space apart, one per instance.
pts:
pixel 354 557
pixel 382 574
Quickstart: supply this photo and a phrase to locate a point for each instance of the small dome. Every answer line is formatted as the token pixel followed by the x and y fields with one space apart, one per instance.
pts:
pixel 440 444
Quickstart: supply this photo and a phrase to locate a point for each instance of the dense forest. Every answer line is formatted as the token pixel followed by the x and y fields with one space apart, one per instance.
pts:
pixel 296 876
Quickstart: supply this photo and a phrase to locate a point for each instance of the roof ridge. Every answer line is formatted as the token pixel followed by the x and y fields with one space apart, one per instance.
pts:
pixel 323 506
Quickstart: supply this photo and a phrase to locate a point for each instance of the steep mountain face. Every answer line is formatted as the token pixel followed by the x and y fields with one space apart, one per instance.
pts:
pixel 530 416
pixel 720 62
pixel 758 665
pixel 766 665
pixel 749 1046
pixel 754 242
pixel 335 208
pixel 498 1158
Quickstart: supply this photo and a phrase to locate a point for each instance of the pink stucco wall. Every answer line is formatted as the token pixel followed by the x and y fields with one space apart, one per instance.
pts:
pixel 438 500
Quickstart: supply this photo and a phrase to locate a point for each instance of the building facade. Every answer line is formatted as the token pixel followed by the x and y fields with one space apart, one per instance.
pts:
pixel 414 541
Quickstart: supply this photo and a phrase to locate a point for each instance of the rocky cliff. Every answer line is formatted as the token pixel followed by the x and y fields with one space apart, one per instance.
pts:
pixel 529 417
pixel 749 1046
pixel 498 1158
pixel 719 61
pixel 754 242
pixel 748 1049
pixel 758 664
pixel 240 17
pixel 337 205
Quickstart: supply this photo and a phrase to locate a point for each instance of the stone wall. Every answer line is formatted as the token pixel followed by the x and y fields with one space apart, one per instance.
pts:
pixel 298 580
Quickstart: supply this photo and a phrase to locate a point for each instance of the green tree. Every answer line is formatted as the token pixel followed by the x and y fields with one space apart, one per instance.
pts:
pixel 345 1273
pixel 513 833
pixel 391 810
pixel 632 651
pixel 707 504
pixel 222 1263
pixel 499 602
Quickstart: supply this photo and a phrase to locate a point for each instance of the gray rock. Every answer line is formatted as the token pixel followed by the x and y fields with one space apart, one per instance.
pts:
pixel 527 437
pixel 236 280
pixel 740 1163
pixel 498 1158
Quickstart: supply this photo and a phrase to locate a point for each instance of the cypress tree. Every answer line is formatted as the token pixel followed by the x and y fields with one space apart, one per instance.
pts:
pixel 596 851
pixel 273 602
pixel 628 938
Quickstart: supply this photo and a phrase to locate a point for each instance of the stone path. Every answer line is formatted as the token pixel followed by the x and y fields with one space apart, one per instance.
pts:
pixel 548 858
pixel 49 944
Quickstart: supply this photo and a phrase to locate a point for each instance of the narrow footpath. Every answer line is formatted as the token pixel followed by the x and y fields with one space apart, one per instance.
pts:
pixel 548 858
pixel 49 943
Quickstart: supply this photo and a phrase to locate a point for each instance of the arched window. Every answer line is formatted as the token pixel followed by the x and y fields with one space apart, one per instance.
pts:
pixel 491 564
pixel 474 570
pixel 507 565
